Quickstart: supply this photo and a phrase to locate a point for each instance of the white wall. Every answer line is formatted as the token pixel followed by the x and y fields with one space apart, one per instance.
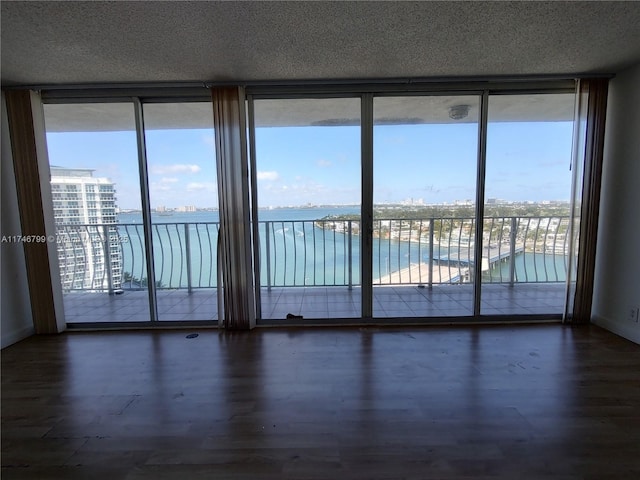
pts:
pixel 16 322
pixel 617 276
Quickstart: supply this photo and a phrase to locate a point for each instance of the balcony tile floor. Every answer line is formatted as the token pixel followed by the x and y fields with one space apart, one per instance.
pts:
pixel 321 302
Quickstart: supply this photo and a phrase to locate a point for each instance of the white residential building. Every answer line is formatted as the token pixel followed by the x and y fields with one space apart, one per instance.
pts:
pixel 89 252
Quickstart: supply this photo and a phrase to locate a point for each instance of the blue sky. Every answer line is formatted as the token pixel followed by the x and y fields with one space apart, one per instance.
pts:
pixel 321 165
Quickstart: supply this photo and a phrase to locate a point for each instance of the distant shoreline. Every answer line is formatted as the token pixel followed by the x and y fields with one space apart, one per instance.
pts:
pixel 395 206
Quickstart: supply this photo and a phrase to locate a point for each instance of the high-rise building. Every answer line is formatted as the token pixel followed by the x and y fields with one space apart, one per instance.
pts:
pixel 84 209
pixel 186 208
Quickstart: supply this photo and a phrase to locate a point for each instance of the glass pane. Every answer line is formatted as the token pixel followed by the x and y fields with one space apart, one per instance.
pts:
pixel 527 194
pixel 577 163
pixel 308 186
pixel 184 208
pixel 96 199
pixel 424 172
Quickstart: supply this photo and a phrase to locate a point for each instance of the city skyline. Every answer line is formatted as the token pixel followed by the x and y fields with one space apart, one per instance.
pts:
pixel 403 203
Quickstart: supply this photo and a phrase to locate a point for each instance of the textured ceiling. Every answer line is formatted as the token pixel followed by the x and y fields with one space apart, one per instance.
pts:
pixel 46 43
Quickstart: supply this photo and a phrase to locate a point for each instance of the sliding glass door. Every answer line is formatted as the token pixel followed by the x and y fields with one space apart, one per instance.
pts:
pixel 95 187
pixel 99 213
pixel 307 173
pixel 184 208
pixel 526 225
pixel 424 176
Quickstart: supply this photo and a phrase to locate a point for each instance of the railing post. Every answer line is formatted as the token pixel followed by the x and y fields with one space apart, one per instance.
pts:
pixel 187 246
pixel 350 257
pixel 431 224
pixel 420 285
pixel 268 254
pixel 107 259
pixel 512 251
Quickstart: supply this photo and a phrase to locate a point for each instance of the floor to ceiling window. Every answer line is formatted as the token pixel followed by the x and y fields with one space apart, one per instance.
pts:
pixel 99 213
pixel 378 205
pixel 184 208
pixel 307 163
pixel 425 166
pixel 95 187
pixel 425 152
pixel 526 234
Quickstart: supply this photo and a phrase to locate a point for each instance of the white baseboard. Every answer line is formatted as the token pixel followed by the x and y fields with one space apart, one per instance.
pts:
pixel 630 331
pixel 9 338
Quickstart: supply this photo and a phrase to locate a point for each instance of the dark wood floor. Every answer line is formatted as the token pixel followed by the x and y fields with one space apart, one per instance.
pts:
pixel 521 402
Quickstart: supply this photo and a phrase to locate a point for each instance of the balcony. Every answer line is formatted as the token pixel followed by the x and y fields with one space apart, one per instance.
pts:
pixel 310 268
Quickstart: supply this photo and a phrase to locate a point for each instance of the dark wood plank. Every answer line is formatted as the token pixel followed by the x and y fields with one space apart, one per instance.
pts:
pixel 501 402
pixel 25 161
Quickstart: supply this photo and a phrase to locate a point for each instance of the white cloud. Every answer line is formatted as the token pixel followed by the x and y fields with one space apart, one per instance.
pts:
pixel 175 168
pixel 324 163
pixel 270 176
pixel 309 191
pixel 166 180
pixel 201 186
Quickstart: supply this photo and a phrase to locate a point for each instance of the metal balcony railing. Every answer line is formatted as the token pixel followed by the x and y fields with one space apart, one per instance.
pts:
pixel 433 251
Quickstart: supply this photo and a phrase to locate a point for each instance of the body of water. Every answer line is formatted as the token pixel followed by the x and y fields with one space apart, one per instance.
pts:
pixel 293 251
